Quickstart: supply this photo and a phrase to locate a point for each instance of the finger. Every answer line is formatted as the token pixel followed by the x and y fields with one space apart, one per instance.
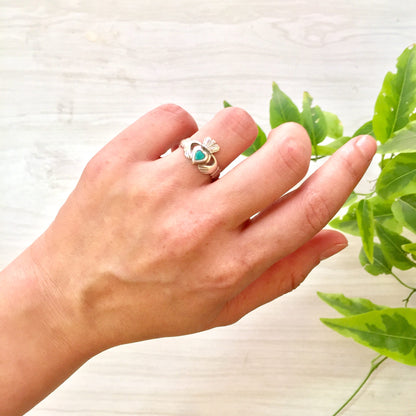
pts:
pixel 155 133
pixel 282 277
pixel 296 218
pixel 265 176
pixel 232 128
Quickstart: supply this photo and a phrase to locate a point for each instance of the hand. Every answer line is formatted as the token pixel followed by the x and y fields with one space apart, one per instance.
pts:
pixel 148 247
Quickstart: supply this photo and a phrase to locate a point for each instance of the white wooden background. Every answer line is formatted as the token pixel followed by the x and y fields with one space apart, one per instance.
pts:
pixel 74 73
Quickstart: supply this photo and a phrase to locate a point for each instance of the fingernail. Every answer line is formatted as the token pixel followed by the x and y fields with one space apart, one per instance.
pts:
pixel 367 145
pixel 332 250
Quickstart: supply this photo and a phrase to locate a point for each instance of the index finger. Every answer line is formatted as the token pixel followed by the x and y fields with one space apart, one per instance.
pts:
pixel 294 220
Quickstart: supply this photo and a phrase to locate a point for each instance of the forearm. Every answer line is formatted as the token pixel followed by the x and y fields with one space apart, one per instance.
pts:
pixel 40 345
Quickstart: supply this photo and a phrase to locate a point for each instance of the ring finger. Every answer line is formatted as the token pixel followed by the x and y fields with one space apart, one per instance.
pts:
pixel 233 130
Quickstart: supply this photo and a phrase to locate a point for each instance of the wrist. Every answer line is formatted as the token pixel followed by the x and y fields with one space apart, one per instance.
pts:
pixel 61 299
pixel 46 336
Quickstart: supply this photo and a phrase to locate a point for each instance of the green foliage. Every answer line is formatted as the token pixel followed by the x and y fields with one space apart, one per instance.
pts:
pixel 335 129
pixel 366 128
pixel 411 249
pixel 379 265
pixel 404 210
pixel 332 147
pixel 349 306
pixel 382 211
pixel 282 108
pixel 320 125
pixel 403 141
pixel 391 245
pixel 260 139
pixel 397 99
pixel 365 222
pixel 385 217
pixel 351 199
pixel 348 222
pixel 391 331
pixel 398 177
pixel 314 121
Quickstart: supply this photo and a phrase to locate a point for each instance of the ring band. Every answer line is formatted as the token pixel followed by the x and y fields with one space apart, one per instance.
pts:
pixel 202 155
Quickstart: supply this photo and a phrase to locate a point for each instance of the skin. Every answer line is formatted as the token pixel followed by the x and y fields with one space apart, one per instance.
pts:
pixel 149 247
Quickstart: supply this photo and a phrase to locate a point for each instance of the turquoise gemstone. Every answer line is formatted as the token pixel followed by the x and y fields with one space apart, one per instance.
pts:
pixel 199 155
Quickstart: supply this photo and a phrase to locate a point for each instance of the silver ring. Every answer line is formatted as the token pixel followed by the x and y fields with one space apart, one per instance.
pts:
pixel 201 155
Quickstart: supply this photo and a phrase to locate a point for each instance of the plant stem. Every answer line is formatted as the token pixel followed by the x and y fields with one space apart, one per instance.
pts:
pixel 403 283
pixel 406 301
pixel 374 365
pixel 315 153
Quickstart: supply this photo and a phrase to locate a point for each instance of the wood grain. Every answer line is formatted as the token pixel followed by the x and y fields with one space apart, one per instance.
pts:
pixel 75 73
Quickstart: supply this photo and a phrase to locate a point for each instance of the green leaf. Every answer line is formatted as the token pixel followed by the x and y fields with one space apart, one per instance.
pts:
pixel 348 222
pixel 397 98
pixel 410 248
pixel 404 141
pixel 335 129
pixel 260 139
pixel 349 306
pixel 331 147
pixel 391 245
pixel 313 120
pixel 398 177
pixel 259 142
pixel 351 199
pixel 366 128
pixel 365 222
pixel 380 264
pixel 390 332
pixel 282 108
pixel 383 214
pixel 404 209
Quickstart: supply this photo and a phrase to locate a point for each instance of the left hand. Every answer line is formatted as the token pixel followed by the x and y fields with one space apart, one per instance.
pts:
pixel 148 247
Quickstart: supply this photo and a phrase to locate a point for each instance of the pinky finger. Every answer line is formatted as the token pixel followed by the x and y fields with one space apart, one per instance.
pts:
pixel 283 276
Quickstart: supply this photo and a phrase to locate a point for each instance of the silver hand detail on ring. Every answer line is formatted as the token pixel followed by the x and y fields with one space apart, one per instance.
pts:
pixel 201 154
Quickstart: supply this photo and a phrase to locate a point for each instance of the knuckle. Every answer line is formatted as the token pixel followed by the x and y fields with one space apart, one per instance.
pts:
pixel 300 134
pixel 171 108
pixel 96 168
pixel 106 167
pixel 296 129
pixel 240 123
pixel 350 165
pixel 295 156
pixel 231 270
pixel 316 211
pixel 226 278
pixel 179 114
pixel 293 147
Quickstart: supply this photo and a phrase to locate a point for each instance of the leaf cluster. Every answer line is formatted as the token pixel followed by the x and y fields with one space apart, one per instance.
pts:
pixel 384 218
pixel 320 125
